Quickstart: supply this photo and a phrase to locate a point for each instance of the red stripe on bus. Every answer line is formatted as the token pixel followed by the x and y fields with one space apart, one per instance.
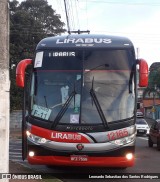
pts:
pixel 57 136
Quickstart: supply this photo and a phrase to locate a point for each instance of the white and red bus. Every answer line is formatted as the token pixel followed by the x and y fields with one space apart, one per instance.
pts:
pixel 80 100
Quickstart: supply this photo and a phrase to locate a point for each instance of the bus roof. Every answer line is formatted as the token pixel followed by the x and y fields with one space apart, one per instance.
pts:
pixel 85 41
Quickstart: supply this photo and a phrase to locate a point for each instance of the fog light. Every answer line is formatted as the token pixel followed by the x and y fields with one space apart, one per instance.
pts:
pixel 31 153
pixel 129 156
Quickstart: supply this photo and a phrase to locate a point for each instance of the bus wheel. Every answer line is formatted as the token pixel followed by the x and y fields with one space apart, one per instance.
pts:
pixel 150 143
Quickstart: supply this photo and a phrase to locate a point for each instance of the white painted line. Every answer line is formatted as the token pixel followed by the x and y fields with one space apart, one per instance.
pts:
pixel 15 153
pixel 15 143
pixel 16 160
pixel 12 157
pixel 16 149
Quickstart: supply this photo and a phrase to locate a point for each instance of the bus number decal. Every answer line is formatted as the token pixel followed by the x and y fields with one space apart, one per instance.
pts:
pixel 113 135
pixel 41 112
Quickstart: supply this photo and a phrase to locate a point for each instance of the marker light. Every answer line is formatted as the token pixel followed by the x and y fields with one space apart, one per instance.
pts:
pixel 129 156
pixel 31 153
pixel 28 133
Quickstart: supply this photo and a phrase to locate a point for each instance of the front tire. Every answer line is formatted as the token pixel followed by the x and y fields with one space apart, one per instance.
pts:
pixel 150 143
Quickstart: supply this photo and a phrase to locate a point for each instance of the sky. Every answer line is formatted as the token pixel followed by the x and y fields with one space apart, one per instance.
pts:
pixel 139 20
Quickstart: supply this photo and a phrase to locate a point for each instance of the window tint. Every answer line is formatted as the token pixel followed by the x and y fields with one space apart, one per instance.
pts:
pixel 142 121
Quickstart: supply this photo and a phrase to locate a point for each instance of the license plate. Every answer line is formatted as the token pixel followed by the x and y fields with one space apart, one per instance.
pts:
pixel 80 158
pixel 141 131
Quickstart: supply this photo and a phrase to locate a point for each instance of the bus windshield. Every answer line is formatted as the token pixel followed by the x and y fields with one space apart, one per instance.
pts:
pixel 83 87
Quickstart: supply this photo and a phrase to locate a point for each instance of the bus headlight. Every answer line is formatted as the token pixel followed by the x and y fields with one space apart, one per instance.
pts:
pixel 43 140
pixel 35 139
pixel 124 141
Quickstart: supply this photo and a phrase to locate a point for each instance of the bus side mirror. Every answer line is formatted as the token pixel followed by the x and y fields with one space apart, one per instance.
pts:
pixel 20 72
pixel 143 73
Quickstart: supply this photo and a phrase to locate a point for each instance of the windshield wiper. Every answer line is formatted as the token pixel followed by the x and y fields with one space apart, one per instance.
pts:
pixel 66 104
pixel 98 107
pixel 45 101
pixel 63 109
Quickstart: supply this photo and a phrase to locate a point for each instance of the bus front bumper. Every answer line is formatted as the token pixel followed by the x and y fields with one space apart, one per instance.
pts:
pixel 121 162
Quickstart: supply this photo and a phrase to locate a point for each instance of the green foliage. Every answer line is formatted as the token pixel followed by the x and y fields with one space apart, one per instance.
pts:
pixel 154 80
pixel 30 21
pixel 154 75
pixel 16 96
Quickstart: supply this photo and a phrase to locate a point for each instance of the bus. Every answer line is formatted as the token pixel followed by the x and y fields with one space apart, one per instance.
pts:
pixel 80 101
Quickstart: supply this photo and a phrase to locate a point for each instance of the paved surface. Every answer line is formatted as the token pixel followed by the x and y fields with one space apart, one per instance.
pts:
pixel 15 150
pixel 15 159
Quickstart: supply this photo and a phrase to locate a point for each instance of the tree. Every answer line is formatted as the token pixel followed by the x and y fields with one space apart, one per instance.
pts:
pixel 43 14
pixel 30 21
pixel 154 76
pixel 154 80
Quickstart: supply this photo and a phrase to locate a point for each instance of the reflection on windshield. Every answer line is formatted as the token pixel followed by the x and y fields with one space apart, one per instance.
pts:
pixel 98 106
pixel 61 88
